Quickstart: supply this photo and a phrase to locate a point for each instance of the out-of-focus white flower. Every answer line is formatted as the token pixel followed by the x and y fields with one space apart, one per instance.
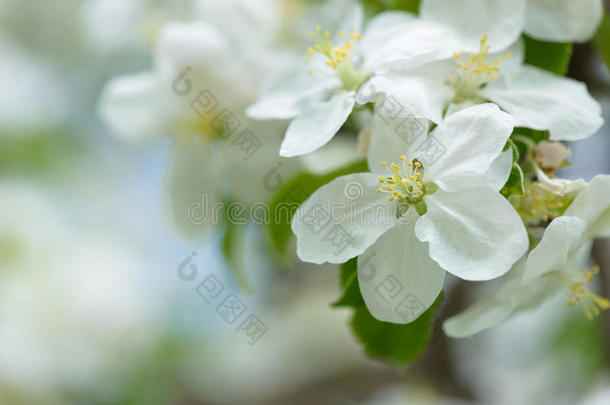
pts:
pixel 203 80
pixel 440 215
pixel 550 20
pixel 535 98
pixel 320 98
pixel 554 265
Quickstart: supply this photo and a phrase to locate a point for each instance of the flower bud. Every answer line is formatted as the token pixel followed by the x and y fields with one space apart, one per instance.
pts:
pixel 550 155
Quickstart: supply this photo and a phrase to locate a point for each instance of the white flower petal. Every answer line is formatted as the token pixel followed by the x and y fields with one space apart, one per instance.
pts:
pixel 464 146
pixel 317 124
pixel 497 175
pixel 470 19
pixel 486 313
pixel 560 238
pixel 383 26
pixel 541 100
pixel 191 188
pixel 563 20
pixel 351 17
pixel 285 91
pixel 342 219
pixel 184 43
pixel 397 278
pixel 474 234
pixel 593 205
pixel 208 60
pixel 512 63
pixel 393 137
pixel 407 96
pixel 333 16
pixel 341 152
pixel 136 107
pixel 400 40
pixel 253 22
pixel 512 297
pixel 557 185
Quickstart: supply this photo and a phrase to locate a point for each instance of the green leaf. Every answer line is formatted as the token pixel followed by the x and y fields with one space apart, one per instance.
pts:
pixel 551 56
pixel 516 153
pixel 535 135
pixel 349 285
pixel 421 208
pixel 602 40
pixel 397 343
pixel 378 6
pixel 291 196
pixel 232 247
pixel 514 185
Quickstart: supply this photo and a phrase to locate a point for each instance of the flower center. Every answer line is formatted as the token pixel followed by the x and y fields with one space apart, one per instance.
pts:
pixel 474 72
pixel 591 304
pixel 537 205
pixel 338 57
pixel 404 183
pixel 206 127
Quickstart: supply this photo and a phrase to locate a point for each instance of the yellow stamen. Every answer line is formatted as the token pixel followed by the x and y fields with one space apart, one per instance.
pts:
pixel 591 304
pixel 335 55
pixel 475 71
pixel 405 179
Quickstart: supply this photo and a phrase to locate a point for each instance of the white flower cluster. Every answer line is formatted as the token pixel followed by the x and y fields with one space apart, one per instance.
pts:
pixel 446 108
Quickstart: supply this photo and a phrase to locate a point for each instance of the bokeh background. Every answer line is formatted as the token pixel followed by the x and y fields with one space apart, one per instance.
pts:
pixel 92 307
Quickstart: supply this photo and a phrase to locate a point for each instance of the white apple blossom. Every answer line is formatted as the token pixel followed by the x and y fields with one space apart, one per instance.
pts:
pixel 536 98
pixel 555 265
pixel 201 83
pixel 423 216
pixel 319 98
pixel 550 20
